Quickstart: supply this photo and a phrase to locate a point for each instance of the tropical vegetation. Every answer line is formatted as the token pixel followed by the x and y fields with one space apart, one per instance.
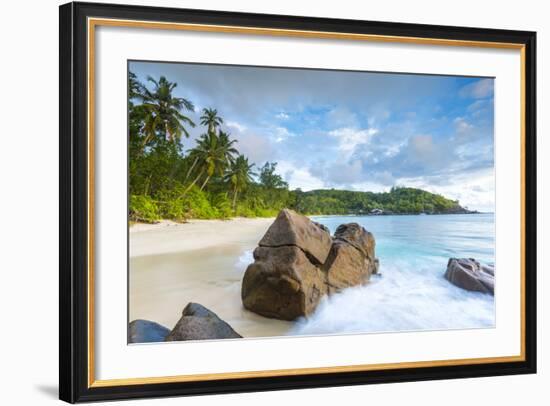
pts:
pixel 212 179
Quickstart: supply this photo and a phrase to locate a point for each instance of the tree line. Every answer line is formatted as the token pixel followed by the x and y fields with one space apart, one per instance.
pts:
pixel 212 179
pixel 399 200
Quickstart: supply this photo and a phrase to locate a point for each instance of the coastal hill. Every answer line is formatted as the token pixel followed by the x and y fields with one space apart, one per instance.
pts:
pixel 399 200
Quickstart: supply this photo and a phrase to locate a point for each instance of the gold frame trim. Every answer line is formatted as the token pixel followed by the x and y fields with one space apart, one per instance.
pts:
pixel 94 22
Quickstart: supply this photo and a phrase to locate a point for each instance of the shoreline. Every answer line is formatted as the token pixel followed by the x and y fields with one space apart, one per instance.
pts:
pixel 167 236
pixel 142 226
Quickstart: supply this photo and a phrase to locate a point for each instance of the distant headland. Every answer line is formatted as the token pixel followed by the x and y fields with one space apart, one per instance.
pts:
pixel 399 200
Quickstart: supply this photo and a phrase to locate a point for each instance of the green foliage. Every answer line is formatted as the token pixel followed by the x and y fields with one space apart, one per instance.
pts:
pixel 162 111
pixel 175 210
pixel 269 179
pixel 198 206
pixel 143 209
pixel 239 176
pixel 211 119
pixel 221 203
pixel 398 200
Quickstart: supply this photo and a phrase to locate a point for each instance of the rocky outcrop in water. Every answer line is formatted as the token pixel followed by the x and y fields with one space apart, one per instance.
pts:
pixel 199 323
pixel 196 323
pixel 297 262
pixel 469 274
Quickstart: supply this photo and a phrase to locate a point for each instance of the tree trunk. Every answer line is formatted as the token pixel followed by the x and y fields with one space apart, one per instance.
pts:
pixel 168 135
pixel 235 198
pixel 205 182
pixel 192 183
pixel 147 184
pixel 191 169
pixel 145 141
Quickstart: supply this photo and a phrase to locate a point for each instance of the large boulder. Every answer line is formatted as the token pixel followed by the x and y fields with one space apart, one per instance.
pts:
pixel 469 274
pixel 199 323
pixel 282 283
pixel 145 331
pixel 297 263
pixel 291 228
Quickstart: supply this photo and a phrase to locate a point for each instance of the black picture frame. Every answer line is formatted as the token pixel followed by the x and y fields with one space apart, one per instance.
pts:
pixel 74 199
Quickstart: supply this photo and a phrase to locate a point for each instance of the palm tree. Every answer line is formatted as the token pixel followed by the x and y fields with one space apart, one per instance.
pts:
pixel 135 88
pixel 211 119
pixel 163 111
pixel 240 175
pixel 224 154
pixel 213 154
pixel 223 142
pixel 226 144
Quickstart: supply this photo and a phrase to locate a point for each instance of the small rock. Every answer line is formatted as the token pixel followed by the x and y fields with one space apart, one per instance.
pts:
pixel 145 331
pixel 199 323
pixel 469 274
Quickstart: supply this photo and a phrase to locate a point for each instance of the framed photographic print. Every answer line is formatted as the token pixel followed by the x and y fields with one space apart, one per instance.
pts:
pixel 257 202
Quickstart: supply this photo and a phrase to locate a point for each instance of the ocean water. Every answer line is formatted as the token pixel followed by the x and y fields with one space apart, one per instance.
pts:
pixel 411 293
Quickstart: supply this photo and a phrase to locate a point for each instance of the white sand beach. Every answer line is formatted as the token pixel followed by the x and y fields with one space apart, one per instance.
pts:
pixel 201 261
pixel 170 237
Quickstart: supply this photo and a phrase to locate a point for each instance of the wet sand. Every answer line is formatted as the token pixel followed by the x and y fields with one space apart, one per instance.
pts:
pixel 201 261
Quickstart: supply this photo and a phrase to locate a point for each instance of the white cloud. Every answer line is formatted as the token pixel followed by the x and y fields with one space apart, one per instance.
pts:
pixel 476 190
pixel 480 108
pixel 422 149
pixel 299 177
pixel 340 174
pixel 282 116
pixel 393 149
pixel 348 138
pixel 462 126
pixel 378 115
pixel 257 148
pixel 280 134
pixel 238 126
pixel 478 90
pixel 372 186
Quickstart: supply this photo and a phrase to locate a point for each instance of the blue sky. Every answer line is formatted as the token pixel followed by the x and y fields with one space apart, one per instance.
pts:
pixel 351 130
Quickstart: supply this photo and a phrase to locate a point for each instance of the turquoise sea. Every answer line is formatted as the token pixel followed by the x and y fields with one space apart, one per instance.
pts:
pixel 411 294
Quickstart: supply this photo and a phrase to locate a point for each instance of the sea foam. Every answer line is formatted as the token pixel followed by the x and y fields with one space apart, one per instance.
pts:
pixel 411 293
pixel 402 299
